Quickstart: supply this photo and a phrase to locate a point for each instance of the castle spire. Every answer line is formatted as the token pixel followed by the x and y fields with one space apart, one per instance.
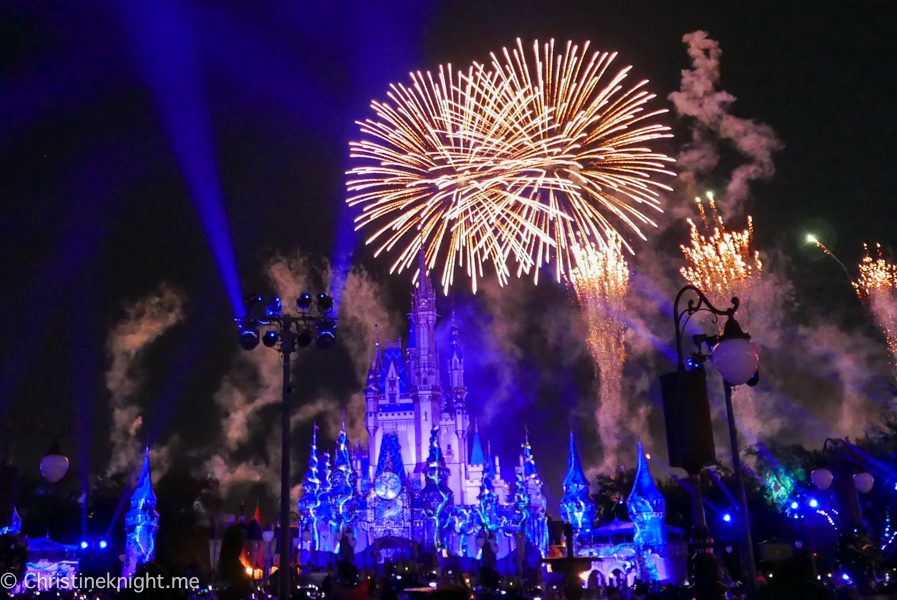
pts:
pixel 143 495
pixel 575 476
pixel 476 453
pixel 371 385
pixel 644 487
pixel 424 285
pixel 577 508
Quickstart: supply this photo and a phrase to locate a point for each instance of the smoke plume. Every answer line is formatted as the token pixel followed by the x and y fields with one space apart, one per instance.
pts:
pixel 699 99
pixel 144 322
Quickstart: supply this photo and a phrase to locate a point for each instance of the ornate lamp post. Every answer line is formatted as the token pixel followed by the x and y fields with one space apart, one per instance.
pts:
pixel 689 426
pixel 847 477
pixel 290 332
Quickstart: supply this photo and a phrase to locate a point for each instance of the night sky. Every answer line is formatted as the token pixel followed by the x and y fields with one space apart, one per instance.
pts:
pixel 120 124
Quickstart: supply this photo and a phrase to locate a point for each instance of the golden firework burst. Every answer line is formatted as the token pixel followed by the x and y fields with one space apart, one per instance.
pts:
pixel 722 263
pixel 877 285
pixel 516 161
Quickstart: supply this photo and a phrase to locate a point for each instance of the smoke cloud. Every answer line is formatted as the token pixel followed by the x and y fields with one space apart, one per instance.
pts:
pixel 699 99
pixel 144 322
pixel 254 381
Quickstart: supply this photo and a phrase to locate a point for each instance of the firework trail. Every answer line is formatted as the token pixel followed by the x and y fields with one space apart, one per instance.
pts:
pixel 877 285
pixel 601 282
pixel 519 161
pixel 812 239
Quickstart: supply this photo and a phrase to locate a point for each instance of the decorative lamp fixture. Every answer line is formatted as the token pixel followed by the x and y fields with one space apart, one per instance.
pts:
pixel 735 356
pixel 822 478
pixel 54 465
pixel 863 482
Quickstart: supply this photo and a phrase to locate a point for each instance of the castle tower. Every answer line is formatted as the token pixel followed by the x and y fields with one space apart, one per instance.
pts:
pixel 426 392
pixel 577 508
pixel 536 527
pixel 372 408
pixel 647 509
pixel 141 523
pixel 311 485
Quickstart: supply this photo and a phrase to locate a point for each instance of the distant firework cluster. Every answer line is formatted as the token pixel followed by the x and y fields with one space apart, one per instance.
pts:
pixel 877 285
pixel 721 263
pixel 519 159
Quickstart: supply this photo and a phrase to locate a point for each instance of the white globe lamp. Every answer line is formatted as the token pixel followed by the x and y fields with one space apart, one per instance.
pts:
pixel 822 478
pixel 735 356
pixel 863 482
pixel 54 465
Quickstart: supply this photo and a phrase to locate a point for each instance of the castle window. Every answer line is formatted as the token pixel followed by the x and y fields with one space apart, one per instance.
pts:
pixel 425 417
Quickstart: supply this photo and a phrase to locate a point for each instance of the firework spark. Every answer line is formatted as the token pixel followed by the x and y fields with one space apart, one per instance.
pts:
pixel 877 285
pixel 722 264
pixel 518 161
pixel 601 282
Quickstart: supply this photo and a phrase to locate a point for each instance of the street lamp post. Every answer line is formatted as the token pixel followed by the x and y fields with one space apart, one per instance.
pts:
pixel 847 477
pixel 736 359
pixel 290 332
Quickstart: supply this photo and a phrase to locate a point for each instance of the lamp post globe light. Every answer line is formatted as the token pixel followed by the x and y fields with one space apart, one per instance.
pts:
pixel 54 465
pixel 688 423
pixel 286 333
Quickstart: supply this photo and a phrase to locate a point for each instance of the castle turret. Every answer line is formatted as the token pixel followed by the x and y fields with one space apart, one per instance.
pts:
pixel 372 408
pixel 577 508
pixel 536 526
pixel 141 522
pixel 343 492
pixel 436 496
pixel 647 509
pixel 311 486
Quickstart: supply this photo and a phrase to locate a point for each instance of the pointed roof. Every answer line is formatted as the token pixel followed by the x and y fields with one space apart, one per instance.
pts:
pixel 456 340
pixel 489 471
pixel 312 482
pixel 390 458
pixel 343 459
pixel 435 457
pixel 257 515
pixel 424 285
pixel 372 377
pixel 644 486
pixel 575 476
pixel 143 495
pixel 476 453
pixel 529 463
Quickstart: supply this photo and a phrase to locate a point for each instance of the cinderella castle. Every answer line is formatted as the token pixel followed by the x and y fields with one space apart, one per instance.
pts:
pixel 425 482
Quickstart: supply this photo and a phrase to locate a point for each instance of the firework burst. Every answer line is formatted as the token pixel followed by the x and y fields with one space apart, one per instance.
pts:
pixel 722 263
pixel 601 282
pixel 877 285
pixel 516 161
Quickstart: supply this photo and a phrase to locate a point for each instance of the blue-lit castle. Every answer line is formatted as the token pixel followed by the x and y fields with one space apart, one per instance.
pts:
pixel 422 479
pixel 425 483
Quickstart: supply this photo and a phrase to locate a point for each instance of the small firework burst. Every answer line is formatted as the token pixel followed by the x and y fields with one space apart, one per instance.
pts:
pixel 722 263
pixel 877 285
